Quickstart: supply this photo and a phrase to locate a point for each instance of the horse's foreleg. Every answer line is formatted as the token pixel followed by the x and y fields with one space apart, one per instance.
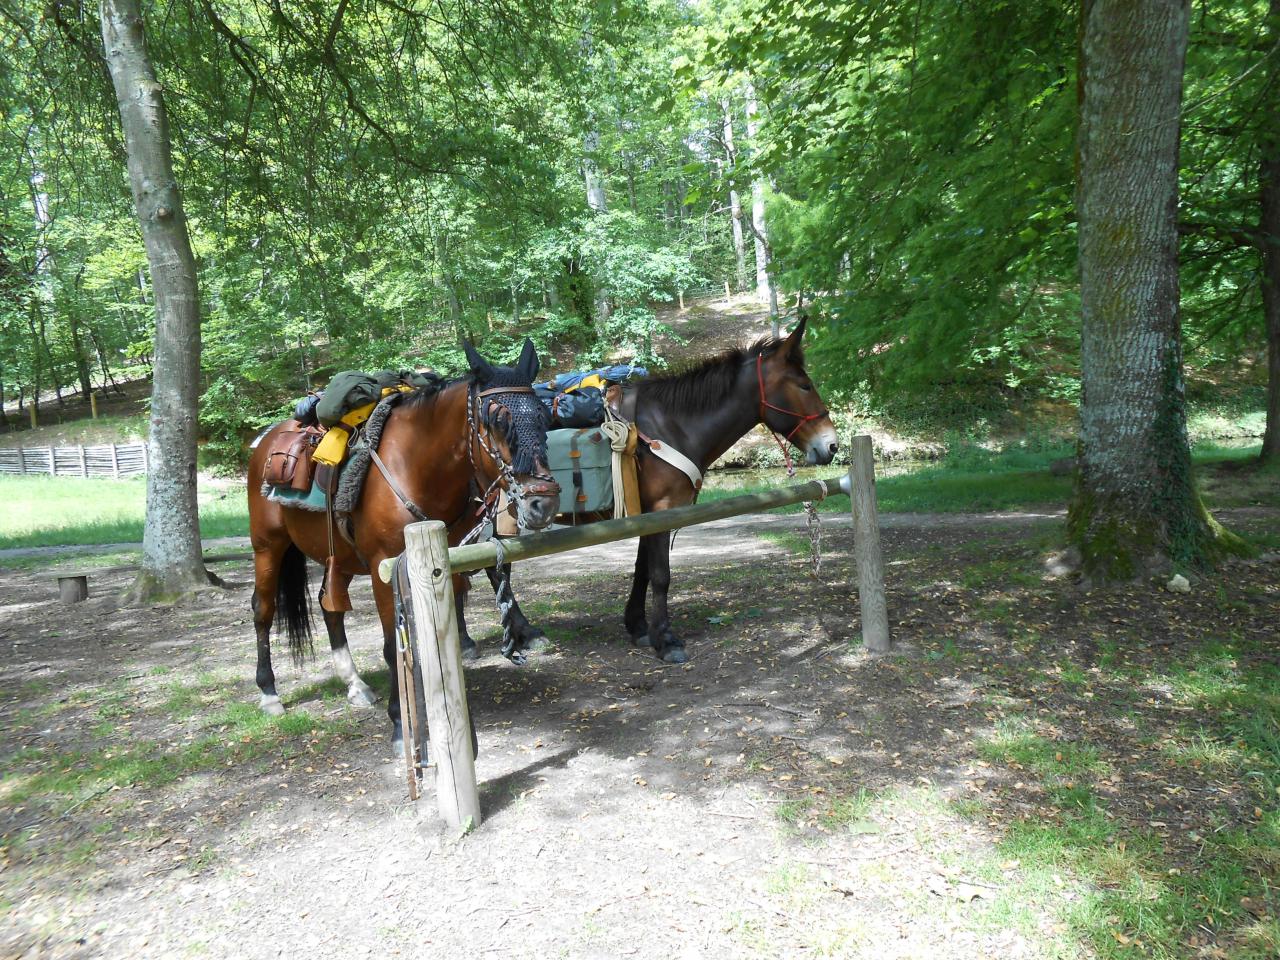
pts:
pixel 385 600
pixel 633 618
pixel 266 574
pixel 518 635
pixel 469 651
pixel 665 643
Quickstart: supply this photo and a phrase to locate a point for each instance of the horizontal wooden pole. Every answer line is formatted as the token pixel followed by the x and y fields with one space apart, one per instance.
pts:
pixel 477 556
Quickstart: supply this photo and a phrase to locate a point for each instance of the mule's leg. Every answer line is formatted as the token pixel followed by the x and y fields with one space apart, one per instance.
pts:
pixel 266 575
pixel 665 643
pixel 518 635
pixel 634 619
pixel 358 692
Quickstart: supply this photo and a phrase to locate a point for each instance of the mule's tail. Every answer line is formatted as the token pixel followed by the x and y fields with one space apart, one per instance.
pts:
pixel 293 604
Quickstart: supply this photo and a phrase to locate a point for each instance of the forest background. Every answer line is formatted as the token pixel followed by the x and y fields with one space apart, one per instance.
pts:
pixel 368 182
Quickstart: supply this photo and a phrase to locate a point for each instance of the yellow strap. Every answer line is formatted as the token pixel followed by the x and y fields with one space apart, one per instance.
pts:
pixel 358 416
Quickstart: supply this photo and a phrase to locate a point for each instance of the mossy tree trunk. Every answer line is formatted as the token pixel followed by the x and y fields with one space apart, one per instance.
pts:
pixel 171 558
pixel 1135 507
pixel 1269 221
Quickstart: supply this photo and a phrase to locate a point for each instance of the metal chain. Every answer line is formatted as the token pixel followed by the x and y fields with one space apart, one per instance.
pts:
pixel 814 524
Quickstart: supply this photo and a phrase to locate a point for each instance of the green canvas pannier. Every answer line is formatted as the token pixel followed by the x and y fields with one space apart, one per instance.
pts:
pixel 582 462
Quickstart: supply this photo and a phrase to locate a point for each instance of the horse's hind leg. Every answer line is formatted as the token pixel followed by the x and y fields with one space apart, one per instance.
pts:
pixel 266 577
pixel 358 692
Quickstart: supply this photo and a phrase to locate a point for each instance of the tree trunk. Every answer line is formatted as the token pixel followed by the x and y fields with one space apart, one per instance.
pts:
pixel 735 202
pixel 764 274
pixel 1269 223
pixel 1135 508
pixel 171 560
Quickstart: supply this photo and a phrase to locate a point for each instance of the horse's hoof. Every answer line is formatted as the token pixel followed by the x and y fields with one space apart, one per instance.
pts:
pixel 471 653
pixel 271 705
pixel 361 696
pixel 518 657
pixel 642 641
pixel 675 655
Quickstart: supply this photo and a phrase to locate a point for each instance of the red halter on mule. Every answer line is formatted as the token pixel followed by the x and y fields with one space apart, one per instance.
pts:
pixel 440 447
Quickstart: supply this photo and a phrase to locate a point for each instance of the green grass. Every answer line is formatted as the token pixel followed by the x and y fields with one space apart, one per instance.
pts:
pixel 1137 901
pixel 44 511
pixel 972 480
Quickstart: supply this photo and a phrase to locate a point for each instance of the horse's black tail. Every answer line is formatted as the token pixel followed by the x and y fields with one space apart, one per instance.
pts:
pixel 293 604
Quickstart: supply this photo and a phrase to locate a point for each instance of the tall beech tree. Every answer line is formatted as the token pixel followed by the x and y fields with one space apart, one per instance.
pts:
pixel 1135 505
pixel 171 557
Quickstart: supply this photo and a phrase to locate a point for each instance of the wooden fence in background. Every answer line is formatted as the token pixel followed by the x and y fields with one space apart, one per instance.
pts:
pixel 103 460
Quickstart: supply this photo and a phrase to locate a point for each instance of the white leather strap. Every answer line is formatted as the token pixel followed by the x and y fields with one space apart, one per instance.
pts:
pixel 679 461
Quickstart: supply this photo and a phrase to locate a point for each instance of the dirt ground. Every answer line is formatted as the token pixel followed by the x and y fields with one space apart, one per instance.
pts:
pixel 783 794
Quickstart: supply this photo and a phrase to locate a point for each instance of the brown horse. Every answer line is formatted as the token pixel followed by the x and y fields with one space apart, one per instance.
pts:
pixel 446 446
pixel 702 413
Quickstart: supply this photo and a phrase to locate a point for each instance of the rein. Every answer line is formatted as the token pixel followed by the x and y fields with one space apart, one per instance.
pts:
pixel 801 418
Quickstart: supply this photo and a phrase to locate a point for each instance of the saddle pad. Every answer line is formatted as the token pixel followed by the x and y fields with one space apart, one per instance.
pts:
pixel 582 463
pixel 312 499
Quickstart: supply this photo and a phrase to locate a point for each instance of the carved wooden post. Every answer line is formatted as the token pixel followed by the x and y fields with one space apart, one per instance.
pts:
pixel 115 462
pixel 84 466
pixel 866 547
pixel 426 547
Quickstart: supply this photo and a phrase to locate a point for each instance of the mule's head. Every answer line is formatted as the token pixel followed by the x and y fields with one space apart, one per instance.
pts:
pixel 789 402
pixel 513 433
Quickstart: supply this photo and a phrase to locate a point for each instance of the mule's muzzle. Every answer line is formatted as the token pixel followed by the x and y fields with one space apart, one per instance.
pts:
pixel 822 446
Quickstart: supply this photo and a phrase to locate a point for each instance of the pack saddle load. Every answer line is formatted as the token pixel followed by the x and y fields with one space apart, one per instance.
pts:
pixel 591 449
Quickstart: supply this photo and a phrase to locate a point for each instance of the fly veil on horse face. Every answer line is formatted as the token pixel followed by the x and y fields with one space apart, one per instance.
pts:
pixel 442 448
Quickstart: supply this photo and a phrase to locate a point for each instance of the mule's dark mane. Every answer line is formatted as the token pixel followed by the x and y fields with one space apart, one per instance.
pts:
pixel 704 387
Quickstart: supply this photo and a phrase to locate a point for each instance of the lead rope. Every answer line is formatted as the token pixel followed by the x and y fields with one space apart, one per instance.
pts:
pixel 814 524
pixel 813 521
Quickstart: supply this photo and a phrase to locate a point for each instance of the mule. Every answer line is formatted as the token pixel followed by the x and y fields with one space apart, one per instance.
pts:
pixel 701 413
pixel 446 446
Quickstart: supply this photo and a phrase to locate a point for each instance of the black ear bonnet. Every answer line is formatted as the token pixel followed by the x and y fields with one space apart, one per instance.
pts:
pixel 520 417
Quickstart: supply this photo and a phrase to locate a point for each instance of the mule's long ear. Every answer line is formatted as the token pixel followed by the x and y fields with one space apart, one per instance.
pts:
pixel 479 365
pixel 792 343
pixel 528 363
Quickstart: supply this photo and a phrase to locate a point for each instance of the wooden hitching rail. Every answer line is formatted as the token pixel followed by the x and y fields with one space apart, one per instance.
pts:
pixel 431 562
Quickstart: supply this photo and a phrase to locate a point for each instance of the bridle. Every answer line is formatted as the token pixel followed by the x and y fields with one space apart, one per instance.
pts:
pixel 506 476
pixel 801 418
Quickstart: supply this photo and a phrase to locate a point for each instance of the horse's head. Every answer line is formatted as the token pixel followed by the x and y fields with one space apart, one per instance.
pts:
pixel 511 425
pixel 789 402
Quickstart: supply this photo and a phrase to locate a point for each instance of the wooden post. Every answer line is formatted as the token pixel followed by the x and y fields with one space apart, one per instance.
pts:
pixel 866 547
pixel 84 466
pixel 680 293
pixel 727 295
pixel 115 462
pixel 22 460
pixel 426 547
pixel 32 410
pixel 53 464
pixel 146 457
pixel 74 588
pixel 93 405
